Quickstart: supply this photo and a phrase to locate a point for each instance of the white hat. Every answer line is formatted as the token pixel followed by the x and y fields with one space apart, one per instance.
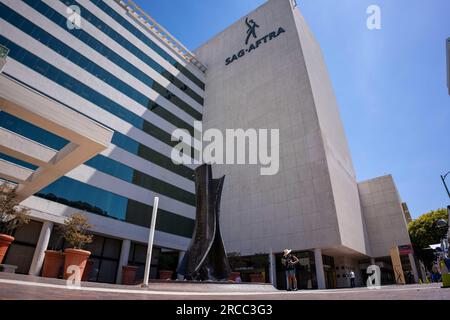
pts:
pixel 286 251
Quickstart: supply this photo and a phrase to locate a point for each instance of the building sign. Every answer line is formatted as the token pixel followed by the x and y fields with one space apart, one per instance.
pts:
pixel 405 249
pixel 252 35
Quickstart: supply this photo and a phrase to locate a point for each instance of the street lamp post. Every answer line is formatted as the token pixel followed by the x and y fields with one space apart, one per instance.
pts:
pixel 151 236
pixel 447 236
pixel 445 185
pixel 448 65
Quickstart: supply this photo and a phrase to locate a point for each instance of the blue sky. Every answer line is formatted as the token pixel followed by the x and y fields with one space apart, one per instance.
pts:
pixel 390 83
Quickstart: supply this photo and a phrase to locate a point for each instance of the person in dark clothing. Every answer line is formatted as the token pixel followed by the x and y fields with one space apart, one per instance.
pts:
pixel 289 261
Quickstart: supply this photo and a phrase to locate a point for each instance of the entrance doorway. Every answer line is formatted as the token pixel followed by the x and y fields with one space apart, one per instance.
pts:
pixel 329 271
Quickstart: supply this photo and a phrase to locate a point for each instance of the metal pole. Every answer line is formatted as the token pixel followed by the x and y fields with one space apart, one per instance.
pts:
pixel 151 235
pixel 445 185
pixel 448 233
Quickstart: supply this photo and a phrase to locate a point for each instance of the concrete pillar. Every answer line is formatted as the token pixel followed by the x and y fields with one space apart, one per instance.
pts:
pixel 123 260
pixel 180 258
pixel 41 246
pixel 320 274
pixel 412 261
pixel 272 269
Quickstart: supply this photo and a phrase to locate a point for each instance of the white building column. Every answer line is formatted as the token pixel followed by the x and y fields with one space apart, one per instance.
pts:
pixel 320 274
pixel 123 260
pixel 272 269
pixel 180 258
pixel 412 261
pixel 41 246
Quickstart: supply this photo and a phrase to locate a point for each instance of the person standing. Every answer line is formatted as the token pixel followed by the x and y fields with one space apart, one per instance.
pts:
pixel 352 279
pixel 435 272
pixel 289 261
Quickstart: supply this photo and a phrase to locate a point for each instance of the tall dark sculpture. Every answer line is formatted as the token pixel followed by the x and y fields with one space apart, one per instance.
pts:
pixel 206 258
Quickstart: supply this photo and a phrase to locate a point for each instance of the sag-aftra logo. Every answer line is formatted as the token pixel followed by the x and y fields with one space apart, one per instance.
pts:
pixel 251 32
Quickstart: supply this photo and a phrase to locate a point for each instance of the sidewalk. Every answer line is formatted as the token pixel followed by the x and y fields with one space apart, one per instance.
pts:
pixel 16 286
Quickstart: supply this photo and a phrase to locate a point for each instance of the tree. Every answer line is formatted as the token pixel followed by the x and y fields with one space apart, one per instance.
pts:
pixel 12 216
pixel 75 230
pixel 423 232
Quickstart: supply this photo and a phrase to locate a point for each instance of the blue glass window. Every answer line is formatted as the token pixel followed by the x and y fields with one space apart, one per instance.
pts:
pixel 17 161
pixel 85 197
pixel 31 131
pixel 140 35
pixel 96 45
pixel 126 173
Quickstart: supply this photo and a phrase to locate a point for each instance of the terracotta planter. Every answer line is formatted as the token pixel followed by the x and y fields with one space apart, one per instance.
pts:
pixel 75 257
pixel 53 264
pixel 129 275
pixel 256 277
pixel 5 241
pixel 165 274
pixel 87 270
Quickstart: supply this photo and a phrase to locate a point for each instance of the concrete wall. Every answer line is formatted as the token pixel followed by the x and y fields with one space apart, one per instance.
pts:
pixel 382 209
pixel 271 88
pixel 342 175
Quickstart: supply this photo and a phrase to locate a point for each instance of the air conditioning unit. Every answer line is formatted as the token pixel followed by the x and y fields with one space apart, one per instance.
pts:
pixel 3 55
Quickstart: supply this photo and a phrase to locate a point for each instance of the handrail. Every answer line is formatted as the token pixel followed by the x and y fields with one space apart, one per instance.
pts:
pixel 148 22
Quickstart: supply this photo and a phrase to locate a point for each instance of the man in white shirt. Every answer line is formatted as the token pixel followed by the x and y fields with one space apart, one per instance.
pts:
pixel 352 278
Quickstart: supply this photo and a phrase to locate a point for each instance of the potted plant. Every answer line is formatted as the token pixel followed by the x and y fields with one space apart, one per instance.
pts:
pixel 12 216
pixel 259 262
pixel 54 258
pixel 75 233
pixel 166 264
pixel 129 275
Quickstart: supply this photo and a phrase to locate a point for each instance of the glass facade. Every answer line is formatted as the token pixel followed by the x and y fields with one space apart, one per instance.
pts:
pixel 85 196
pixel 105 254
pixel 151 155
pixel 31 132
pixel 71 83
pixel 20 252
pixel 137 258
pixel 17 161
pixel 98 46
pixel 141 179
pixel 148 42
